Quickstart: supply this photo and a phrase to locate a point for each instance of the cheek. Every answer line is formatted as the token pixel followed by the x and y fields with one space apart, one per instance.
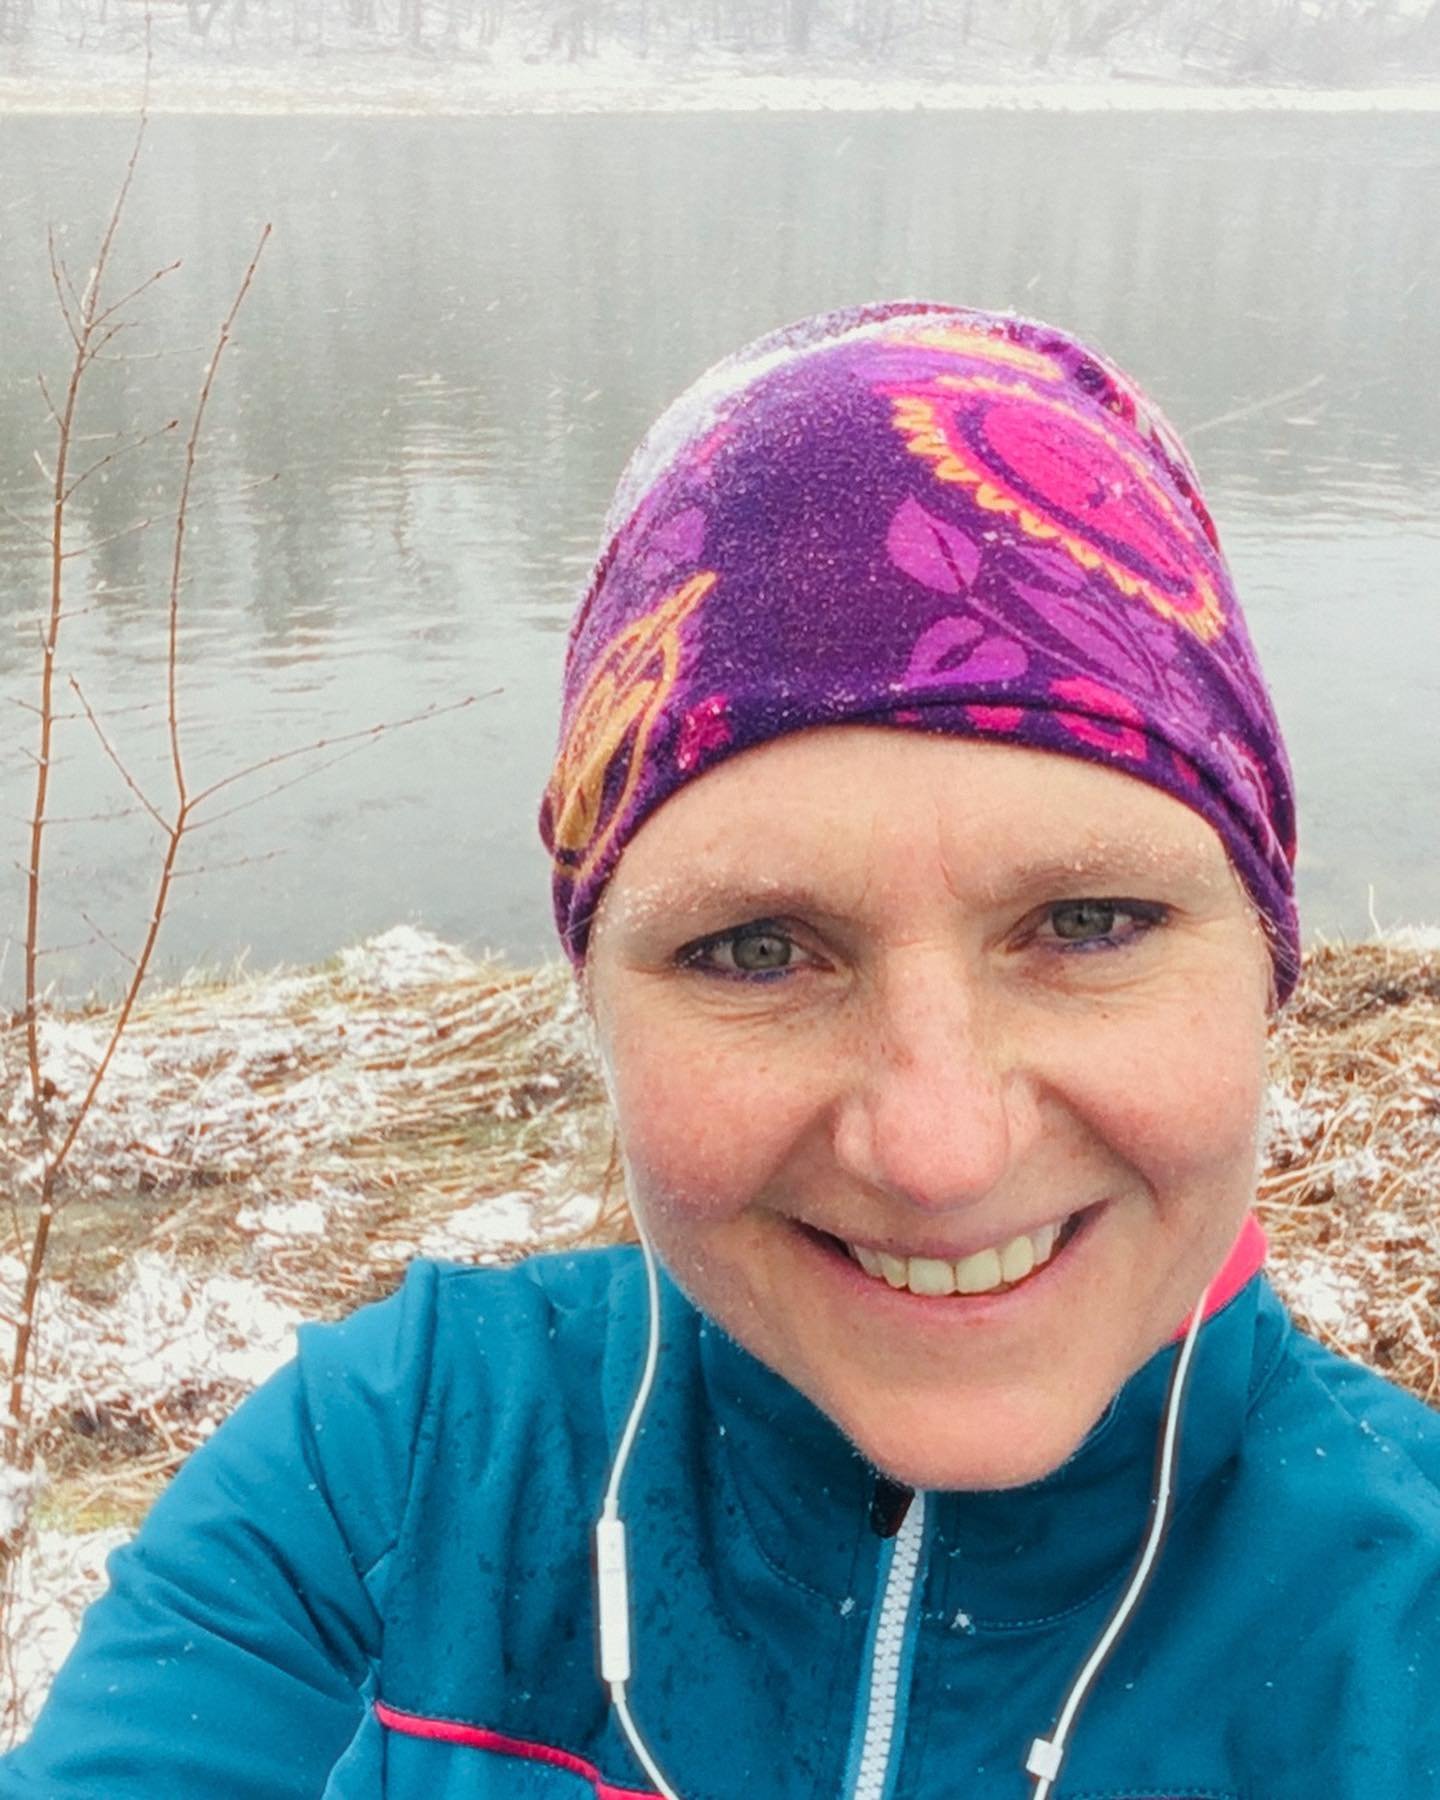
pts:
pixel 1182 1104
pixel 703 1136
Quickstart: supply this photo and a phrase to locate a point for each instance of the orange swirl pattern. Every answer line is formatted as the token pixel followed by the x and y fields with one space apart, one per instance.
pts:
pixel 977 346
pixel 614 718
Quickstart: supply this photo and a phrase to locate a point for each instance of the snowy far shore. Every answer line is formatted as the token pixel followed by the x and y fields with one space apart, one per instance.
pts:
pixel 353 85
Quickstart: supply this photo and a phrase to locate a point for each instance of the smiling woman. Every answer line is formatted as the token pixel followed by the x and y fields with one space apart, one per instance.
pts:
pixel 930 1067
pixel 923 841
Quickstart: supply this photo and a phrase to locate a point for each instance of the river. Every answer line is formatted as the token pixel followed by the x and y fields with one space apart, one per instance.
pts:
pixel 458 331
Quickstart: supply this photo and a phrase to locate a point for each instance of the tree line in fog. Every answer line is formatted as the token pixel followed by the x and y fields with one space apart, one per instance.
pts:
pixel 1239 40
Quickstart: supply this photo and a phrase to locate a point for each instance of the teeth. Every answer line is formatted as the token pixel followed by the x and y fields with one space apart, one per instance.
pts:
pixel 1000 1266
pixel 978 1273
pixel 929 1276
pixel 1017 1259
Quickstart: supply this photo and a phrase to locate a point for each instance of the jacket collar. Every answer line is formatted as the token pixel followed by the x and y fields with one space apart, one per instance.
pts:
pixel 1023 1556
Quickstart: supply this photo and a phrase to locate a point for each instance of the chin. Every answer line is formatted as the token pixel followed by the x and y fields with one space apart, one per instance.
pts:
pixel 977 1457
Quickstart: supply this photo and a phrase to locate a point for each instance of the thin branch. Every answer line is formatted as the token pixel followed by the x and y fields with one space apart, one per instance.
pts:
pixel 102 261
pixel 135 443
pixel 105 938
pixel 94 352
pixel 1254 406
pixel 114 712
pixel 280 787
pixel 240 862
pixel 60 280
pixel 117 358
pixel 178 554
pixel 112 537
pixel 96 818
pixel 29 525
pixel 348 737
pixel 115 758
pixel 119 305
pixel 81 334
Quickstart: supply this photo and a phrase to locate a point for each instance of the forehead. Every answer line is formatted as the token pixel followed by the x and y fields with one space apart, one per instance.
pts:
pixel 849 816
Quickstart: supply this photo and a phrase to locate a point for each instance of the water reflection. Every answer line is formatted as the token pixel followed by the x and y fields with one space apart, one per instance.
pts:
pixel 462 326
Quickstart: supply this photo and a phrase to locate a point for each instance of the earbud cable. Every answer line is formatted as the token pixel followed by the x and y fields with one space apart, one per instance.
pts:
pixel 613 1580
pixel 612 1574
pixel 1047 1754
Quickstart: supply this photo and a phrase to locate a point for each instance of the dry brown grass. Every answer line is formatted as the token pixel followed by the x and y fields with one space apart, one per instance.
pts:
pixel 1351 1190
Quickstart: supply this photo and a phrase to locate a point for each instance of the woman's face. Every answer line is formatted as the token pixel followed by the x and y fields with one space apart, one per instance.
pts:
pixel 867 994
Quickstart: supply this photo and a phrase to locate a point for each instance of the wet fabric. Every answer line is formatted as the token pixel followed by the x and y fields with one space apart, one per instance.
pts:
pixel 923 518
pixel 374 1582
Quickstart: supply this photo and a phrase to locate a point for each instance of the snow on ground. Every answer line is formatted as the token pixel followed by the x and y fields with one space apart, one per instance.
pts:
pixel 284 1219
pixel 358 85
pixel 1332 1298
pixel 490 1224
pixel 163 1329
pixel 403 957
pixel 1424 938
pixel 58 1576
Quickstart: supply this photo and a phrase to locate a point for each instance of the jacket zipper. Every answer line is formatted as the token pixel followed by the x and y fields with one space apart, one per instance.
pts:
pixel 874 1753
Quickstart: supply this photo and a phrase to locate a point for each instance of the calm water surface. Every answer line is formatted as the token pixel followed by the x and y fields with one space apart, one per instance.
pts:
pixel 461 327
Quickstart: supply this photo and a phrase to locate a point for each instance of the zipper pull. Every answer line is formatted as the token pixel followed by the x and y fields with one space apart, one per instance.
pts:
pixel 888 1506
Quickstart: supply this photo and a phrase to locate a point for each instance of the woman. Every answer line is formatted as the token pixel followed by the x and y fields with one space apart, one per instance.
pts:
pixel 923 840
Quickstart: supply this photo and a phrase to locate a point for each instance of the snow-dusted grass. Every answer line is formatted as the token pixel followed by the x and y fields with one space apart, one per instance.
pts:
pixel 276 1149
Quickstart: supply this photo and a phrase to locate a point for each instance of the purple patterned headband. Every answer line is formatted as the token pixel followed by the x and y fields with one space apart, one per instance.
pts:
pixel 922 516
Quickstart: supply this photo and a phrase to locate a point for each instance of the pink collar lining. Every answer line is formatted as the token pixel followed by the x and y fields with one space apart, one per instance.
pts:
pixel 476 1737
pixel 1245 1259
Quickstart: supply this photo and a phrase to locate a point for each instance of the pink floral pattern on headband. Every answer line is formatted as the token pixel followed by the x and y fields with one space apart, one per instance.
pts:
pixel 704 728
pixel 1126 737
pixel 1067 478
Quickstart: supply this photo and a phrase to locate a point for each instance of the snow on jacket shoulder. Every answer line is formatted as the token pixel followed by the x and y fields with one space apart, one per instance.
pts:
pixel 374 1581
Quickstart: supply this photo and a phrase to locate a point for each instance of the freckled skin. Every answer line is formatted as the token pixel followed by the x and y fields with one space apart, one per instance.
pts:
pixel 936 1068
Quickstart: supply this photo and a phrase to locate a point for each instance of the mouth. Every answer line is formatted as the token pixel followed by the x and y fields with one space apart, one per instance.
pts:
pixel 998 1269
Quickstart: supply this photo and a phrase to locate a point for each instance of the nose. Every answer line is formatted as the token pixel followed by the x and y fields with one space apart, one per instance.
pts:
pixel 940 1105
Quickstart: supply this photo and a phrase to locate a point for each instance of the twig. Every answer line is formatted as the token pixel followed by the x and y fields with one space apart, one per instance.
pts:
pixel 240 862
pixel 115 758
pixel 135 443
pixel 280 787
pixel 178 552
pixel 112 537
pixel 126 299
pixel 1254 406
pixel 30 525
pixel 348 737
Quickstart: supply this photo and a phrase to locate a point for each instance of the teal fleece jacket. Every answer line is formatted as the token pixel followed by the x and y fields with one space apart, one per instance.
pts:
pixel 375 1580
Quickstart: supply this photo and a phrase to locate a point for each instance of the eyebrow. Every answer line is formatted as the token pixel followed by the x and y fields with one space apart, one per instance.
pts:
pixel 1120 862
pixel 718 892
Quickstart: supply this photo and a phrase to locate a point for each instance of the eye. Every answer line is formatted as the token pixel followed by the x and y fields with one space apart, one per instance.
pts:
pixel 752 952
pixel 1081 925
